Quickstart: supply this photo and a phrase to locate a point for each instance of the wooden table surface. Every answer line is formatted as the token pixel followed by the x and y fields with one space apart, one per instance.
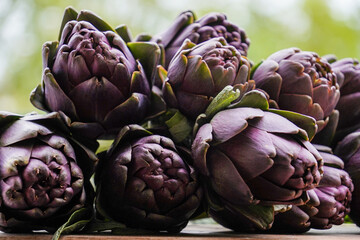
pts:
pixel 208 231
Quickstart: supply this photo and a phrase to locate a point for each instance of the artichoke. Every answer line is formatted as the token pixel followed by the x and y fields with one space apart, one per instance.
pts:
pixel 92 76
pixel 253 160
pixel 44 173
pixel 144 182
pixel 348 70
pixel 212 25
pixel 197 73
pixel 298 218
pixel 329 204
pixel 349 151
pixel 299 81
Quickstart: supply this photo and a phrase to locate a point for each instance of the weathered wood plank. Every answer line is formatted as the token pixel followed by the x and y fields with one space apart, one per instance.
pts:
pixel 208 231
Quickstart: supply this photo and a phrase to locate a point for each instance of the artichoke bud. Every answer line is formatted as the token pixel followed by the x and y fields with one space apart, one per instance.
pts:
pixel 145 182
pixel 301 82
pixel 212 25
pixel 348 71
pixel 42 179
pixel 329 202
pixel 97 79
pixel 348 150
pixel 263 153
pixel 197 74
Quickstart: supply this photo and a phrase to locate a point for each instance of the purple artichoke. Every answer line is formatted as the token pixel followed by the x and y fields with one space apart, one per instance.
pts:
pixel 329 202
pixel 299 81
pixel 349 151
pixel 144 182
pixel 298 218
pixel 212 25
pixel 249 157
pixel 92 76
pixel 43 173
pixel 198 73
pixel 348 70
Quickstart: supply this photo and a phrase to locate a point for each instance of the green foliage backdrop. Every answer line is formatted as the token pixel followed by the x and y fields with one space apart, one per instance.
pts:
pixel 326 27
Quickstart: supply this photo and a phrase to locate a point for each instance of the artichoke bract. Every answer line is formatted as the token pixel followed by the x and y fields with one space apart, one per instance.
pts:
pixel 299 81
pixel 43 173
pixel 252 158
pixel 144 182
pixel 212 25
pixel 329 202
pixel 92 76
pixel 348 150
pixel 197 73
pixel 348 70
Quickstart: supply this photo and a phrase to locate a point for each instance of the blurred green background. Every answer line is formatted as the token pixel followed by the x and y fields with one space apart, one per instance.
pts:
pixel 325 27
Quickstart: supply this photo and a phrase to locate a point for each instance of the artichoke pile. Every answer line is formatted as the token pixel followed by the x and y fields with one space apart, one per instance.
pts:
pixel 196 130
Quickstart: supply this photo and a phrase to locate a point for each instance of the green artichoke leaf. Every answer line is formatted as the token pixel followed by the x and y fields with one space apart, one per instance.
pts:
pixel 222 101
pixel 307 123
pixel 179 126
pixel 76 222
pixel 90 17
pixel 158 105
pixel 104 145
pixel 69 15
pixel 143 37
pixel 99 225
pixel 185 47
pixel 124 32
pixel 254 99
pixel 162 55
pixel 169 94
pixel 261 216
pixel 138 79
pixel 148 53
pixel 162 73
pixel 253 69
